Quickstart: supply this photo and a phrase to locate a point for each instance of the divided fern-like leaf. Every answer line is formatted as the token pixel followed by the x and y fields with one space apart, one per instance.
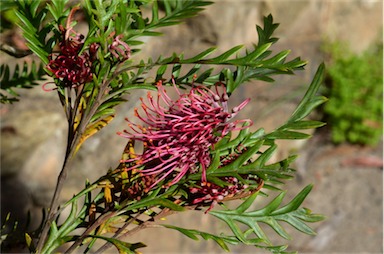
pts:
pixel 221 240
pixel 26 76
pixel 122 247
pixel 270 215
pixel 251 64
pixel 33 27
pixel 57 9
pixel 266 32
pixel 310 100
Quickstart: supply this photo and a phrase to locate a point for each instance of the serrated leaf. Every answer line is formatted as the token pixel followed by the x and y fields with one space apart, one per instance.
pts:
pixel 271 207
pixel 31 23
pixel 251 56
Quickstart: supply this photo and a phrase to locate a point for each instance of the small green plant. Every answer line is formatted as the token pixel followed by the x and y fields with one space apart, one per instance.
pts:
pixel 354 111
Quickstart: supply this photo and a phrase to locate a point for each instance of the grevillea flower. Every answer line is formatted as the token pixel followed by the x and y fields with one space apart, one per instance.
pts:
pixel 71 67
pixel 119 49
pixel 203 193
pixel 179 135
pixel 209 193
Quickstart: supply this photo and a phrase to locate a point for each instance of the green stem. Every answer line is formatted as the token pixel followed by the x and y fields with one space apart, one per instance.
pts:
pixel 104 217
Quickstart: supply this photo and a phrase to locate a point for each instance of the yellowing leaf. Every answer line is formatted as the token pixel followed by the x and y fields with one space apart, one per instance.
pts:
pixel 94 128
pixel 107 194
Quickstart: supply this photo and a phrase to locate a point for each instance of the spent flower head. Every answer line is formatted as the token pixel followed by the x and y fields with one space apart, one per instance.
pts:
pixel 178 135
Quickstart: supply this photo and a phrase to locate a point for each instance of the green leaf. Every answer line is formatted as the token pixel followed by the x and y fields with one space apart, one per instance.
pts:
pixel 246 204
pixel 151 202
pixel 57 9
pixel 251 56
pixel 221 240
pixel 233 167
pixel 122 247
pixel 227 54
pixel 52 237
pixel 29 242
pixel 295 203
pixel 35 30
pixel 270 215
pixel 25 76
pixel 201 55
pixel 175 12
pixel 302 125
pixel 266 32
pixel 310 100
pixel 287 135
pixel 7 5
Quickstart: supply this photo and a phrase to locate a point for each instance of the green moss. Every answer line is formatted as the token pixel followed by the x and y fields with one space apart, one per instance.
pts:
pixel 355 108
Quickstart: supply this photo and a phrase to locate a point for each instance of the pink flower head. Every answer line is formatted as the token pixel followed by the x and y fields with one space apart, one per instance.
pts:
pixel 179 135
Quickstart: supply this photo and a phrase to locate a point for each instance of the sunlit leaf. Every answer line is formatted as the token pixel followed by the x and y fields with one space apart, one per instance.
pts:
pixel 270 215
pixel 122 247
pixel 221 240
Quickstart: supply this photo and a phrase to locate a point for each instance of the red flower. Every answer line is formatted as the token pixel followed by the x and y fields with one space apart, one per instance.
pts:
pixel 71 67
pixel 179 135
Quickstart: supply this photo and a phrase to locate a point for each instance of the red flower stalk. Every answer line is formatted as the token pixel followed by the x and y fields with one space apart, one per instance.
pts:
pixel 179 135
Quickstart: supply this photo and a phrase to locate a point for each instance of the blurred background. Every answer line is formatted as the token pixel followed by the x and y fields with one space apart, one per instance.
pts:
pixel 344 160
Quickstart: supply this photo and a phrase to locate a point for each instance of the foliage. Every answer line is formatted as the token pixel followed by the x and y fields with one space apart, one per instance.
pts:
pixel 20 78
pixel 355 108
pixel 117 201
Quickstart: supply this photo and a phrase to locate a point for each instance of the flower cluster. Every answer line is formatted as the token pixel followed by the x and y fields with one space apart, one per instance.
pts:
pixel 178 135
pixel 119 49
pixel 209 192
pixel 71 67
pixel 137 188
